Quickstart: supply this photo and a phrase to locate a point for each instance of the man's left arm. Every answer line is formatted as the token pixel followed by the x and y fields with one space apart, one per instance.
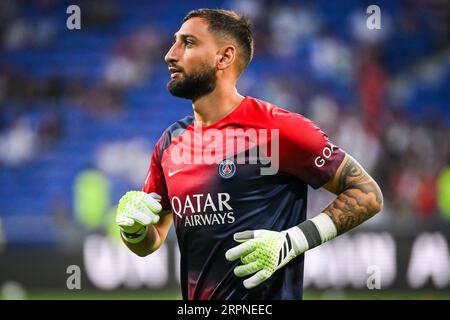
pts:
pixel 359 196
pixel 262 252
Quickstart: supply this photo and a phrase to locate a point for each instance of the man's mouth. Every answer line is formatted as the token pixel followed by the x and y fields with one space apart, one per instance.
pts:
pixel 174 72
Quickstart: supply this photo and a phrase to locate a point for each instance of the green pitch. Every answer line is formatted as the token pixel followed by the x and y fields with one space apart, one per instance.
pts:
pixel 172 295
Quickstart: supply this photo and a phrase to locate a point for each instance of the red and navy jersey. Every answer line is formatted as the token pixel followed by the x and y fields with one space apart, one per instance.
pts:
pixel 216 186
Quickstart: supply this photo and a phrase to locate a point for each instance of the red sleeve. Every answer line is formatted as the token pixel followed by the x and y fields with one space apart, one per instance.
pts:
pixel 305 150
pixel 155 181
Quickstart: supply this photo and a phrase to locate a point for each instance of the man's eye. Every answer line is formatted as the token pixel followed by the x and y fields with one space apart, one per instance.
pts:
pixel 188 43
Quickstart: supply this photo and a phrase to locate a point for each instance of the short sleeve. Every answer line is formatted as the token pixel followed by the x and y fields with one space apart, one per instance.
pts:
pixel 305 150
pixel 155 181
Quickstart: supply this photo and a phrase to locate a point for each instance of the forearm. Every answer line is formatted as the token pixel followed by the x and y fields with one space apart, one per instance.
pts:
pixel 354 206
pixel 360 198
pixel 148 245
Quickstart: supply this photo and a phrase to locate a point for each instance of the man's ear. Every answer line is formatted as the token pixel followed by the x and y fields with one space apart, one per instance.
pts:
pixel 226 57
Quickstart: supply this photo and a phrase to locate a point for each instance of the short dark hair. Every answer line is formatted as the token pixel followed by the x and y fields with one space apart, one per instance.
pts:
pixel 229 23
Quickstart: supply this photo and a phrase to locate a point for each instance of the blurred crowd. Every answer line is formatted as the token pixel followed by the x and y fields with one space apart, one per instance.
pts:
pixel 355 83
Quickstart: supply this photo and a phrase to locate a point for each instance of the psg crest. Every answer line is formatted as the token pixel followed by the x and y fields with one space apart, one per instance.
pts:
pixel 227 168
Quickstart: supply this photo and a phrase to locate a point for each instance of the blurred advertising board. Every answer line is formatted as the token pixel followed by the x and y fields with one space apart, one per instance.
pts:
pixel 358 261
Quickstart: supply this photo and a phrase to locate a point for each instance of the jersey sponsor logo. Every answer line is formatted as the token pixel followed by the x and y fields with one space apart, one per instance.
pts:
pixel 227 168
pixel 172 173
pixel 203 209
pixel 327 152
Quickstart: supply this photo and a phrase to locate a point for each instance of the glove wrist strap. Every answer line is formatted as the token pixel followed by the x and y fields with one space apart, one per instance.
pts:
pixel 135 237
pixel 312 233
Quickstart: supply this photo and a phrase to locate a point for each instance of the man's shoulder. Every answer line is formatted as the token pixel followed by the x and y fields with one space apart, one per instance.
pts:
pixel 174 130
pixel 267 111
pixel 180 124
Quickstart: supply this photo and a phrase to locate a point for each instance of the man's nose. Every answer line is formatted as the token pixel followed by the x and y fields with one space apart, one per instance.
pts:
pixel 170 55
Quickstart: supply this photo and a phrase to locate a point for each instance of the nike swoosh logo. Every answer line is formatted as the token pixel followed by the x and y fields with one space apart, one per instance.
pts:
pixel 174 172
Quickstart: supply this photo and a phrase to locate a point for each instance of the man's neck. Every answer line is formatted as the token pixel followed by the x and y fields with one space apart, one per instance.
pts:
pixel 215 106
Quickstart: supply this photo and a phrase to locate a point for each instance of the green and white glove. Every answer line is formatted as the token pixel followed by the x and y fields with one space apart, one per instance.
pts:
pixel 135 212
pixel 263 252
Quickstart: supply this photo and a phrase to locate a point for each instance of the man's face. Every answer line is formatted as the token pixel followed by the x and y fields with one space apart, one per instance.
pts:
pixel 191 61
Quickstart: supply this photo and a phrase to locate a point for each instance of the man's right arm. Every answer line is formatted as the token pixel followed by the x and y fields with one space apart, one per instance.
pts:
pixel 155 236
pixel 149 208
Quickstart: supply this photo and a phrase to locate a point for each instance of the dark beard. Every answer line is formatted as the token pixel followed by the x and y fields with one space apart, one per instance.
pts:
pixel 194 86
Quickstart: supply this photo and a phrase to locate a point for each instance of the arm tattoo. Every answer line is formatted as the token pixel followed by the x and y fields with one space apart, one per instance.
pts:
pixel 359 200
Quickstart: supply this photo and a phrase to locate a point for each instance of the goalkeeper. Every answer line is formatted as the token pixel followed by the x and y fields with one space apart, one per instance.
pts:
pixel 241 233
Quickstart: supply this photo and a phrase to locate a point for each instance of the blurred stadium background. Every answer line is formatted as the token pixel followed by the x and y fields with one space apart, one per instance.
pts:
pixel 80 111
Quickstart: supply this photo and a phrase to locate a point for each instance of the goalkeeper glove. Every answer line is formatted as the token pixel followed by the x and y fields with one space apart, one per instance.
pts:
pixel 263 252
pixel 135 212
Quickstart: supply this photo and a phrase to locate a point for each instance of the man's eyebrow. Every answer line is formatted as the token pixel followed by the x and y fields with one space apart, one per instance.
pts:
pixel 184 35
